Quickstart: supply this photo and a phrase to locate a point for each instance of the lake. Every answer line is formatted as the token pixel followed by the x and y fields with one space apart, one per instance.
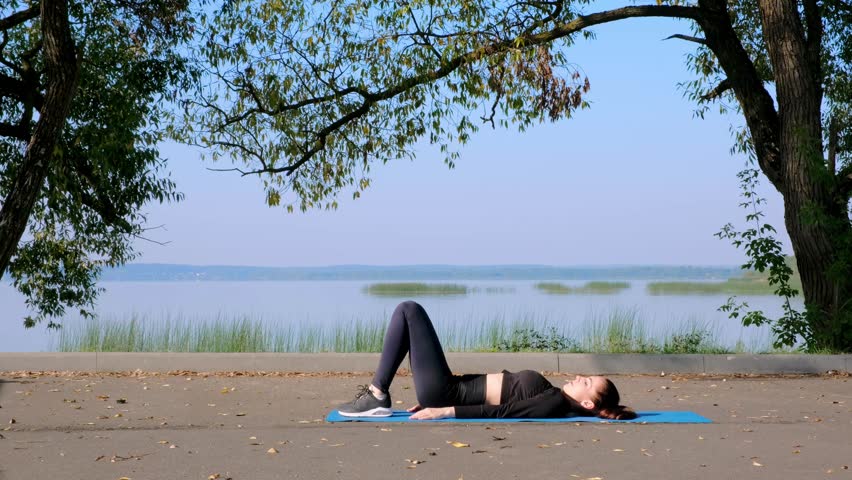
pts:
pixel 330 302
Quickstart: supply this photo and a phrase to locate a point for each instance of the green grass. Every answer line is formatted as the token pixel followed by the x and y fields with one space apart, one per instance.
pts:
pixel 590 288
pixel 619 331
pixel 415 289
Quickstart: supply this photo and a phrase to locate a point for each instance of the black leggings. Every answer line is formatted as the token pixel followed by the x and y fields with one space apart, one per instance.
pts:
pixel 410 331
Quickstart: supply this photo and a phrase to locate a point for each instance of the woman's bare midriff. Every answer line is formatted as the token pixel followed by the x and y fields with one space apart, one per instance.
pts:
pixel 493 388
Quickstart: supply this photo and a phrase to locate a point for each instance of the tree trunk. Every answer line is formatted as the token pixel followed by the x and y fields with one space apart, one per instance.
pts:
pixel 62 70
pixel 814 220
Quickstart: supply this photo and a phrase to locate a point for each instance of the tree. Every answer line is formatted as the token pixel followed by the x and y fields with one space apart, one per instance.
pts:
pixel 310 96
pixel 84 88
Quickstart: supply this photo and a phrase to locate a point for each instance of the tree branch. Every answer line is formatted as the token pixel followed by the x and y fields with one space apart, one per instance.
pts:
pixel 523 41
pixel 844 182
pixel 20 90
pixel 757 105
pixel 813 22
pixel 688 38
pixel 723 87
pixel 99 202
pixel 18 18
pixel 833 137
pixel 19 132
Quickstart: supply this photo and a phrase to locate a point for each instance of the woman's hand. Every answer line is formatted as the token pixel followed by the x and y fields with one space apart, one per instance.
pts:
pixel 415 408
pixel 434 413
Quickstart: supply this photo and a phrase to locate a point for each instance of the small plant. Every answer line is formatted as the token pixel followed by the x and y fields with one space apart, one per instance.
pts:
pixel 531 340
pixel 690 342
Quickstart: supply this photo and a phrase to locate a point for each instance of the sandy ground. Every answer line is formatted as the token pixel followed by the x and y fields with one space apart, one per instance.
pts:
pixel 195 426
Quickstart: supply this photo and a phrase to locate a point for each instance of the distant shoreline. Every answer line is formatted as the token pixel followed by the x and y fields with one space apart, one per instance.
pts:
pixel 142 272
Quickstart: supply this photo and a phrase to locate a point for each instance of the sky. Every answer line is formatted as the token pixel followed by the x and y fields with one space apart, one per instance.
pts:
pixel 635 180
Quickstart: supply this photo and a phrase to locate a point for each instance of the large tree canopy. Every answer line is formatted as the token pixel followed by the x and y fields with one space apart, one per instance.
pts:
pixel 309 96
pixel 84 89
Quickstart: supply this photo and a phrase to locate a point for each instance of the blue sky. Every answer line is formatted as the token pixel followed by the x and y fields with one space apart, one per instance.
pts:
pixel 633 180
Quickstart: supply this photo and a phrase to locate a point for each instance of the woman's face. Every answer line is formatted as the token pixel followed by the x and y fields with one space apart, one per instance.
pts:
pixel 584 390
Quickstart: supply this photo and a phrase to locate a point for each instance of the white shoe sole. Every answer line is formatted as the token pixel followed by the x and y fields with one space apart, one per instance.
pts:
pixel 376 412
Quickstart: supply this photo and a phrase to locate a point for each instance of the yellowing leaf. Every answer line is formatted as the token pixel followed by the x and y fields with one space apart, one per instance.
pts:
pixel 458 444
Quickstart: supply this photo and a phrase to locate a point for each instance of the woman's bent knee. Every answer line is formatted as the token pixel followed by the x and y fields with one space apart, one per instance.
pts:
pixel 409 307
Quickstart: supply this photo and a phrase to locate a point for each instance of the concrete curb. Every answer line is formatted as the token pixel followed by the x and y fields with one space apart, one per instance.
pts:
pixel 459 362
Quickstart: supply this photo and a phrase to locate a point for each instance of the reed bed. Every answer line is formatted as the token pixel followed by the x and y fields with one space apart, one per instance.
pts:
pixel 733 286
pixel 618 331
pixel 408 289
pixel 590 288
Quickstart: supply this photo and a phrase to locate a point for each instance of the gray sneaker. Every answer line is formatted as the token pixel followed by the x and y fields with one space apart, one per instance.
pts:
pixel 366 405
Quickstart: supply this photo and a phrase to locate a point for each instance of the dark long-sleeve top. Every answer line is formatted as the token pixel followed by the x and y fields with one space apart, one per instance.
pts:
pixel 525 394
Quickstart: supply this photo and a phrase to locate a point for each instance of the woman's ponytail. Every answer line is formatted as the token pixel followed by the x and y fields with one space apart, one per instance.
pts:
pixel 619 412
pixel 608 407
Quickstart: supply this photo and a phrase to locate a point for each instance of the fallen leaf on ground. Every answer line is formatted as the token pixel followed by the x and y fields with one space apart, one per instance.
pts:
pixel 241 414
pixel 543 445
pixel 496 438
pixel 272 450
pixel 121 400
pixel 163 442
pixel 458 444
pixel 617 450
pixel 386 430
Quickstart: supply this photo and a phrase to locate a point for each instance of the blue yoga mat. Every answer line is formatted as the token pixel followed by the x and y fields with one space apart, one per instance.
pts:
pixel 643 417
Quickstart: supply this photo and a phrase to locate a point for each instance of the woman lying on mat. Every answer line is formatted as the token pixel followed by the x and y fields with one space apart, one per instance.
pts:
pixel 440 394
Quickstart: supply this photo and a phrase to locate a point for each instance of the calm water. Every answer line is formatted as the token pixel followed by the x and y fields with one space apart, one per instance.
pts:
pixel 329 302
